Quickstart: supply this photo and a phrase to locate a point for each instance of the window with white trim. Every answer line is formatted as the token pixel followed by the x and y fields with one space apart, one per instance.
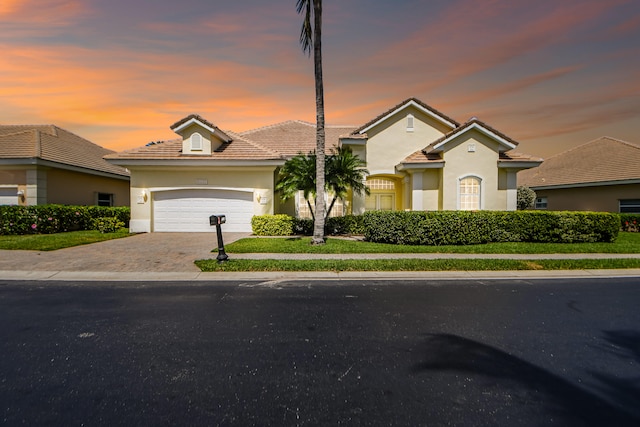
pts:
pixel 541 203
pixel 470 193
pixel 196 142
pixel 629 206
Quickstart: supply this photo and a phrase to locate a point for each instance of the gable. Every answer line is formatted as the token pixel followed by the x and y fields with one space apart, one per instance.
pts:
pixel 199 136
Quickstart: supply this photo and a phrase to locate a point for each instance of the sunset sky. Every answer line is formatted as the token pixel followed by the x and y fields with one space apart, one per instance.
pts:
pixel 551 74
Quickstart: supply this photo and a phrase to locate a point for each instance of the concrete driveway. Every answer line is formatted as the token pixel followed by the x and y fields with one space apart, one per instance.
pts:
pixel 154 252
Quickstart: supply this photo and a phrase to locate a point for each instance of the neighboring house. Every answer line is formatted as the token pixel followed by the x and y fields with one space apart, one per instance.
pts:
pixel 418 159
pixel 601 175
pixel 41 164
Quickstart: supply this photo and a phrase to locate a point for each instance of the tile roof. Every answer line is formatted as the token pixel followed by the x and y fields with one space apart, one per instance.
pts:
pixel 400 105
pixel 295 136
pixel 238 149
pixel 54 144
pixel 604 159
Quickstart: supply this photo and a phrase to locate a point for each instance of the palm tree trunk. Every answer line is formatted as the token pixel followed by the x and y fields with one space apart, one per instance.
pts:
pixel 318 224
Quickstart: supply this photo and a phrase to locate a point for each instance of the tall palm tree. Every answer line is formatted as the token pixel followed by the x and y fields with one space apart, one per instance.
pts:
pixel 344 171
pixel 310 37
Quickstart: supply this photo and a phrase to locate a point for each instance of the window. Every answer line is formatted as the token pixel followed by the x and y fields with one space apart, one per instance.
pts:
pixel 380 184
pixel 303 206
pixel 630 206
pixel 196 141
pixel 105 199
pixel 541 203
pixel 409 122
pixel 470 193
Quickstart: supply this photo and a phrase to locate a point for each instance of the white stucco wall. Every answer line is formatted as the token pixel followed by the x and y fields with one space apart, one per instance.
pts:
pixel 481 163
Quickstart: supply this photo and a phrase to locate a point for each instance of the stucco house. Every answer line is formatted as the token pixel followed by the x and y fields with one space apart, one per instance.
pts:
pixel 418 159
pixel 601 175
pixel 41 164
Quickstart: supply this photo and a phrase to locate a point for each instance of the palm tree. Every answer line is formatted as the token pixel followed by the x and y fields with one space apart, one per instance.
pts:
pixel 298 174
pixel 344 171
pixel 311 37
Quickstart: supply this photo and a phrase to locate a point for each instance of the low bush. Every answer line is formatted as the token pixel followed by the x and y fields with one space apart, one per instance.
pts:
pixel 48 219
pixel 106 224
pixel 466 228
pixel 285 225
pixel 272 225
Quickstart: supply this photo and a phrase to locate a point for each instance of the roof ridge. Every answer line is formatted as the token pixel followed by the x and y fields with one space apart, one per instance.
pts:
pixel 58 130
pixel 274 125
pixel 255 144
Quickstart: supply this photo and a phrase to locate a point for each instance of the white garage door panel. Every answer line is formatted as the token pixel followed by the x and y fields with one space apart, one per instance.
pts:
pixel 189 210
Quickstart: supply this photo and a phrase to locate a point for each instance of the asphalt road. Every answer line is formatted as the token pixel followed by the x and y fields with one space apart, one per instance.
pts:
pixel 542 352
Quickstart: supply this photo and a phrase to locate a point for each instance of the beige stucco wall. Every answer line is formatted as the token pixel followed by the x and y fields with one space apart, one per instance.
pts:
pixel 49 185
pixel 598 199
pixel 483 163
pixel 389 142
pixel 75 188
pixel 257 180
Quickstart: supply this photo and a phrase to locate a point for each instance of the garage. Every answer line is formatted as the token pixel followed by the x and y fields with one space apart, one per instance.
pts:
pixel 189 210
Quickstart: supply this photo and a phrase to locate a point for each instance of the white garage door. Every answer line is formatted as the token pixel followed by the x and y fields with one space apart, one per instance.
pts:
pixel 189 210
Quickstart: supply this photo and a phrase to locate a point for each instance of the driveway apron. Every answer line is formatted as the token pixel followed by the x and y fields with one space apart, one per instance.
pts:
pixel 159 252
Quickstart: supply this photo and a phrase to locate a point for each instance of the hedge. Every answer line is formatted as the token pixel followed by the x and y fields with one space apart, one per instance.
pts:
pixel 456 227
pixel 285 225
pixel 466 227
pixel 48 219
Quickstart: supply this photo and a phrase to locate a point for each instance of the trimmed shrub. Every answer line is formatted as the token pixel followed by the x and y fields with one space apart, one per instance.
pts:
pixel 467 228
pixel 47 219
pixel 107 224
pixel 272 225
pixel 630 222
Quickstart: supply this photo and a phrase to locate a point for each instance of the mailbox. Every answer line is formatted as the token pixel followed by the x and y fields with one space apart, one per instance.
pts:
pixel 217 219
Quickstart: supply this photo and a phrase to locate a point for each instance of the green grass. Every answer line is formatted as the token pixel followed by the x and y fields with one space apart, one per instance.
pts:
pixel 51 242
pixel 413 265
pixel 626 243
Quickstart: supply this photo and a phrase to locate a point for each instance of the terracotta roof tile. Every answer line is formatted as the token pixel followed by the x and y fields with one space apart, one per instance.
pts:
pixel 295 136
pixel 54 144
pixel 602 160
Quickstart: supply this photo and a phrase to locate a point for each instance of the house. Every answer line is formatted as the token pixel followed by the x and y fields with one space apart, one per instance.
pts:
pixel 418 159
pixel 601 175
pixel 41 164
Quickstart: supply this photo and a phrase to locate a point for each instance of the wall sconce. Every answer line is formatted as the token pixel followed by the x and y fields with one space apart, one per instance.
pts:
pixel 21 195
pixel 262 198
pixel 143 197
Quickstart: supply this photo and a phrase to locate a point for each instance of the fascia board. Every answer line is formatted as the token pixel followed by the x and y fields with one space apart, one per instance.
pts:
pixel 191 122
pixel 195 162
pixel 506 164
pixel 402 107
pixel 413 166
pixel 480 129
pixel 46 163
pixel 585 184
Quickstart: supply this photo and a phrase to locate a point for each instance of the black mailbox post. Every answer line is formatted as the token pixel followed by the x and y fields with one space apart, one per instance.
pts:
pixel 218 220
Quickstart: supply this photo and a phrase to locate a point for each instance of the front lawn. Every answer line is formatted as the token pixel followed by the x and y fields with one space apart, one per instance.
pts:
pixel 51 242
pixel 627 243
pixel 237 265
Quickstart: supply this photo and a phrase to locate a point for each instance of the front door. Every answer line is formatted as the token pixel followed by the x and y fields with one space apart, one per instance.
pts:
pixel 381 201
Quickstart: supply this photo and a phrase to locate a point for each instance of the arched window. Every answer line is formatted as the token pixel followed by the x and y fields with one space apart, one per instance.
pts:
pixel 470 193
pixel 196 141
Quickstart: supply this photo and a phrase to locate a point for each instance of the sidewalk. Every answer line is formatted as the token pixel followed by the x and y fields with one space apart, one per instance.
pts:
pixel 170 257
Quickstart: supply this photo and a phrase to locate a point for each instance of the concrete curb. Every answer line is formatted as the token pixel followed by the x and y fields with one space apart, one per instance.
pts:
pixel 75 276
